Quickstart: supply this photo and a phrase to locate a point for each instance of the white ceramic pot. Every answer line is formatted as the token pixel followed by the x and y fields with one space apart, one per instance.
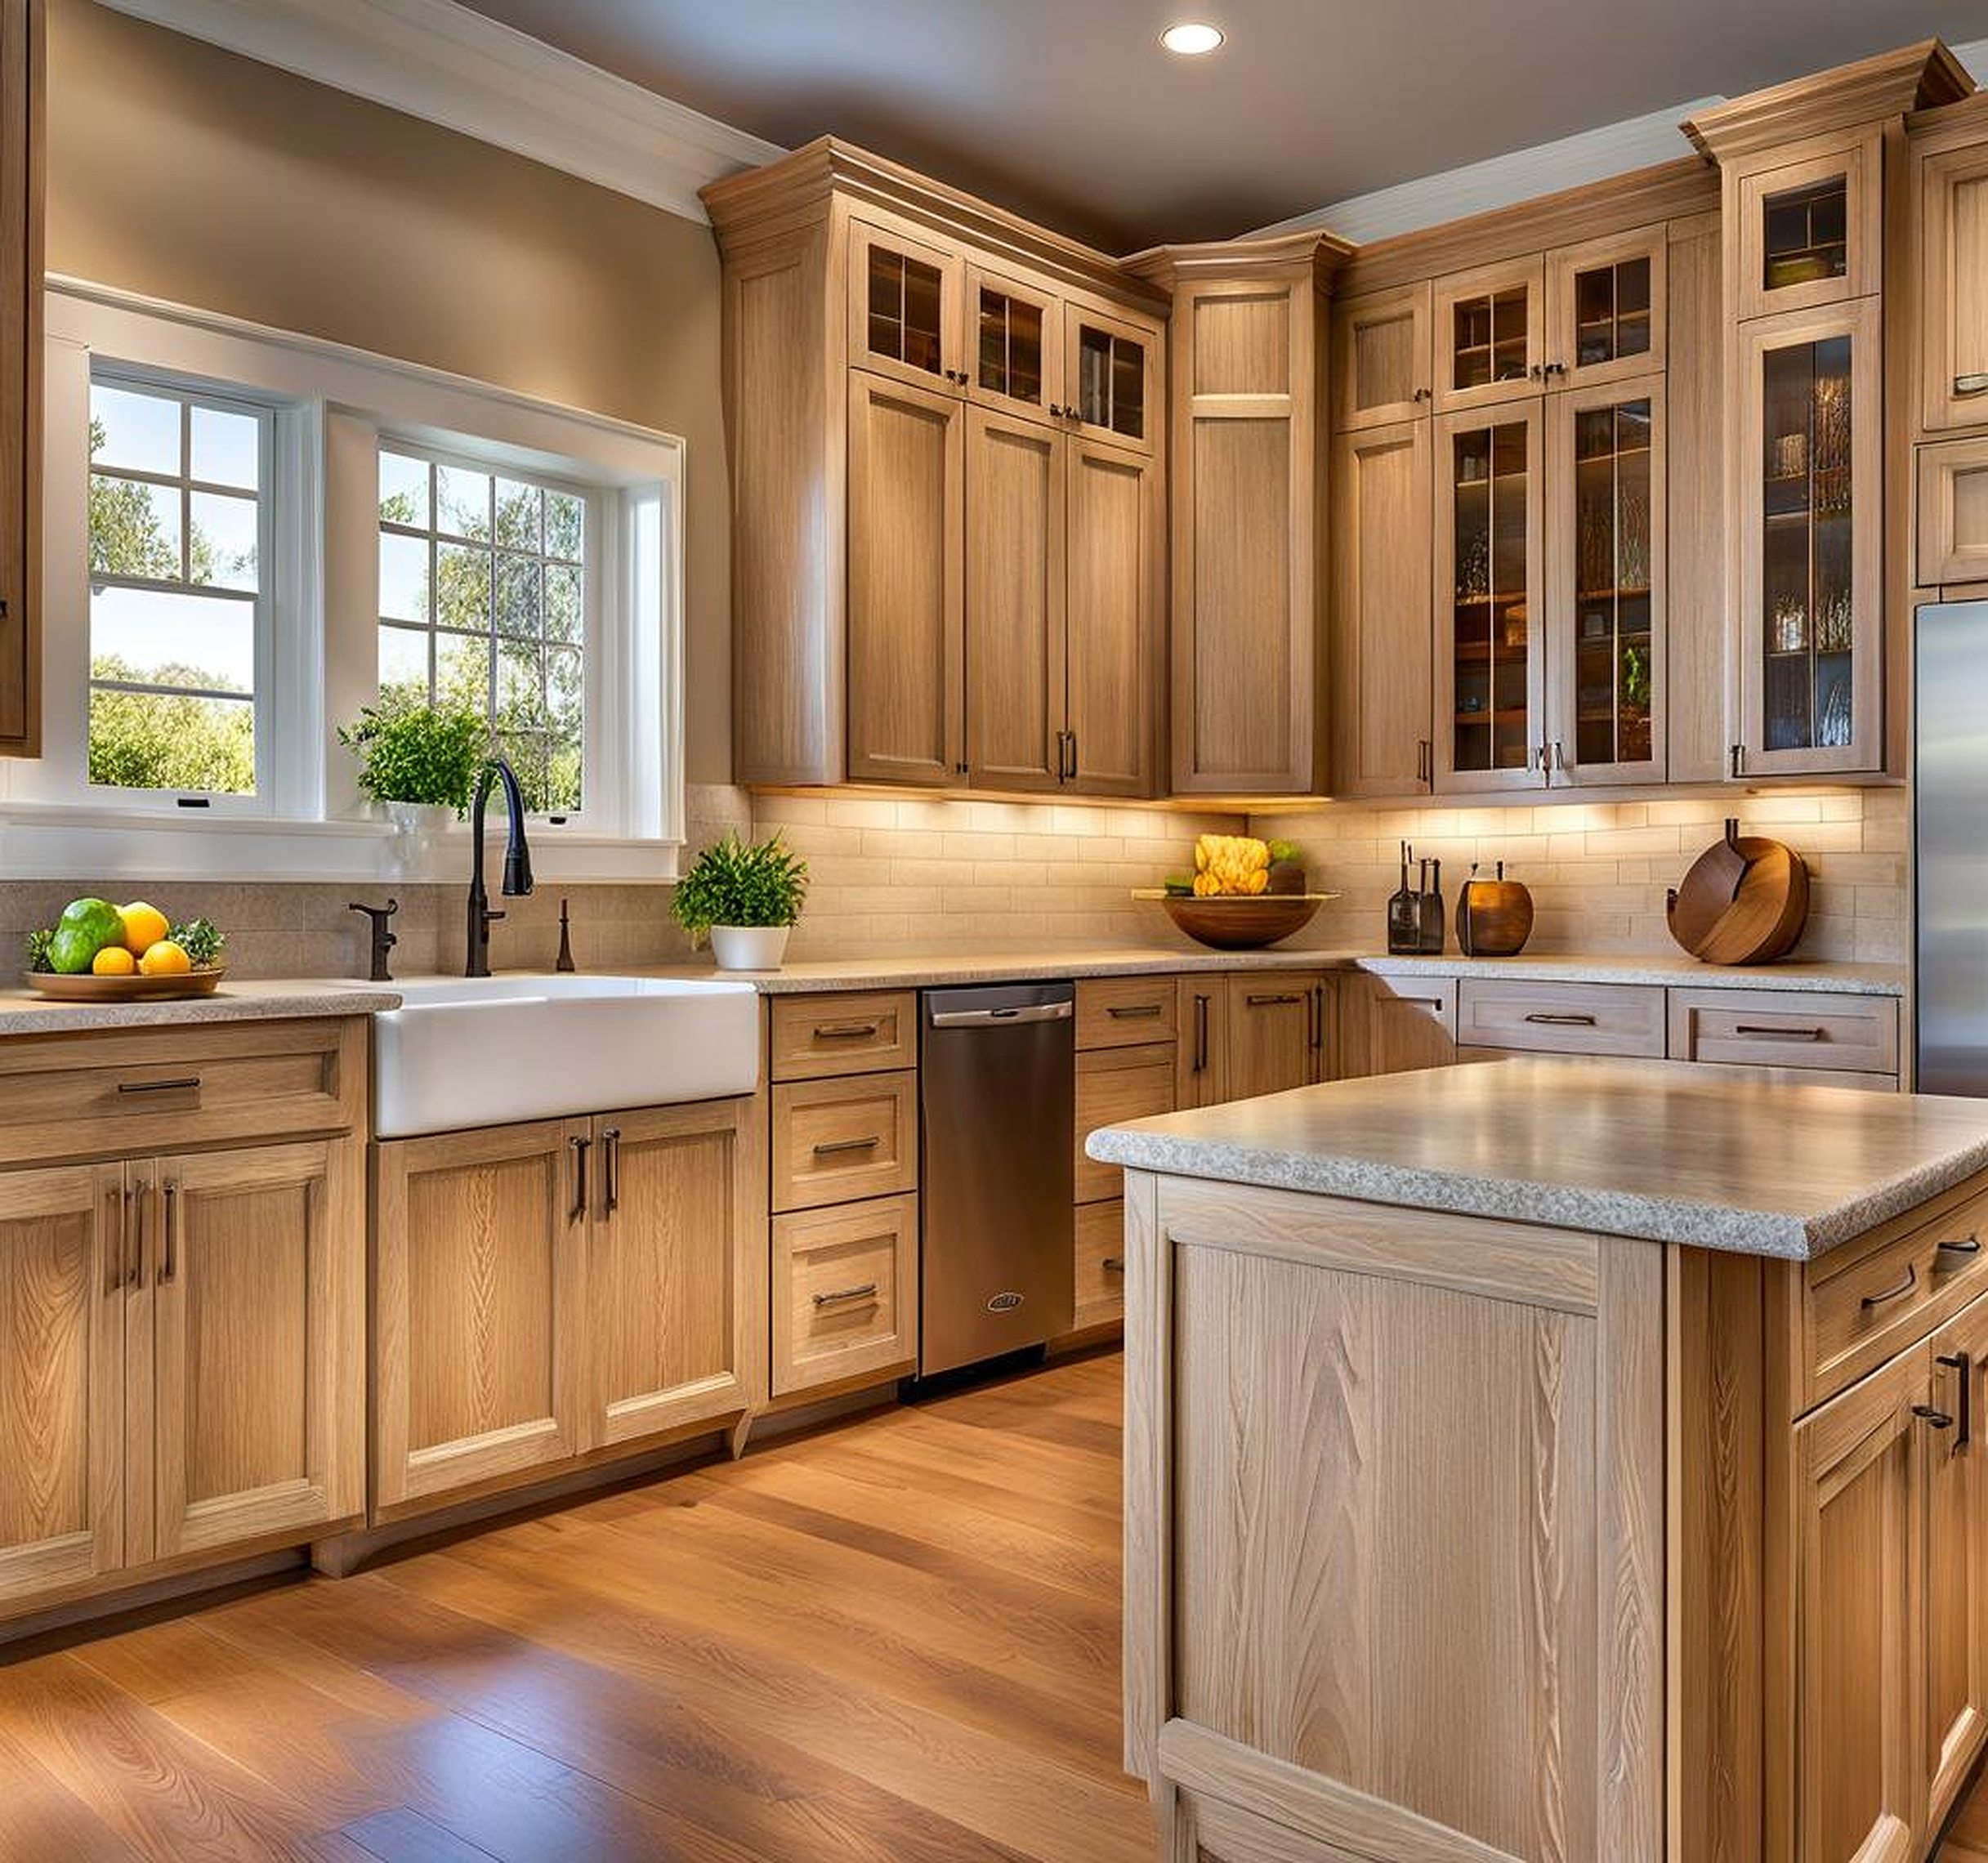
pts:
pixel 418 828
pixel 749 947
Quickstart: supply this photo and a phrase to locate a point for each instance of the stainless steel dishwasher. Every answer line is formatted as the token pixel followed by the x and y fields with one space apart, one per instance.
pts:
pixel 998 1069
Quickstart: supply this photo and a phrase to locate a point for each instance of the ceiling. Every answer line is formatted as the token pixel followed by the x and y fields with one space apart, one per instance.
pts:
pixel 1070 111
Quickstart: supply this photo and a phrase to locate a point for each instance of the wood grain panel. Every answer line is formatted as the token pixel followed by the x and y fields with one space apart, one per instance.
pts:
pixel 1112 617
pixel 907 681
pixel 1560 1018
pixel 1814 1029
pixel 1953 205
pixel 818 1037
pixel 1393 1024
pixel 1276 1031
pixel 1100 1265
pixel 1241 343
pixel 844 1293
pixel 836 1141
pixel 23 129
pixel 1381 358
pixel 1125 1012
pixel 1954 1724
pixel 1201 1075
pixel 1016 518
pixel 1115 1085
pixel 1953 511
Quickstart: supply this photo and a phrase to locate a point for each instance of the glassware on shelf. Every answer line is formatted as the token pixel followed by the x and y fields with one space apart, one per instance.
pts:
pixel 1788 457
pixel 1833 624
pixel 1790 625
pixel 1474 569
pixel 1836 719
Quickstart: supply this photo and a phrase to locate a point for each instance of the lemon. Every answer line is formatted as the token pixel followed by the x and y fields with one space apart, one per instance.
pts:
pixel 113 960
pixel 145 926
pixel 165 958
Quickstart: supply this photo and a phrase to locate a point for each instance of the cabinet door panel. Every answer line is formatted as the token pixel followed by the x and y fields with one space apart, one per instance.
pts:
pixel 1810 232
pixel 844 1293
pixel 1383 629
pixel 1605 309
pixel 1276 1032
pixel 1112 594
pixel 1111 377
pixel 1858 1472
pixel 1953 500
pixel 1953 217
pixel 480 1251
pixel 1381 358
pixel 1956 1720
pixel 1014 602
pixel 1115 1085
pixel 1490 327
pixel 907 720
pixel 1015 338
pixel 1202 1073
pixel 903 306
pixel 663 1329
pixel 22 85
pixel 258 1300
pixel 65 1256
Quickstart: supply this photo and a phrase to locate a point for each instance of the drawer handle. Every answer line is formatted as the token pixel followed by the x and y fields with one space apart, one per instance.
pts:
pixel 1421 1002
pixel 1781 1035
pixel 1201 1035
pixel 1273 1001
pixel 1552 1020
pixel 845 1031
pixel 581 1147
pixel 1927 1412
pixel 1971 384
pixel 839 1145
pixel 611 1157
pixel 1903 1287
pixel 1128 1012
pixel 1962 1363
pixel 868 1291
pixel 1113 1264
pixel 169 1267
pixel 190 1084
pixel 1964 1246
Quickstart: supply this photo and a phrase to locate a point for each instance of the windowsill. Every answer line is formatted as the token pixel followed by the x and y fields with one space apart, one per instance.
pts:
pixel 49 840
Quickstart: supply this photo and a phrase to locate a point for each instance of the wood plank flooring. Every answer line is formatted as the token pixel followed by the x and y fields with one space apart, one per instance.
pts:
pixel 897 1642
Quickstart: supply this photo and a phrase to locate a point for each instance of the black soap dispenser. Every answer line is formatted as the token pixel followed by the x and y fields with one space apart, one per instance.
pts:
pixel 1429 914
pixel 1404 913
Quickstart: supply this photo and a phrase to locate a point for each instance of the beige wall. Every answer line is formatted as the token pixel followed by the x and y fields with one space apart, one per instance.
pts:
pixel 186 173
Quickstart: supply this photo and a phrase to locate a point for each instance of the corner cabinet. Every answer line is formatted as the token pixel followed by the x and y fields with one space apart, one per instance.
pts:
pixel 1249 353
pixel 23 79
pixel 947 435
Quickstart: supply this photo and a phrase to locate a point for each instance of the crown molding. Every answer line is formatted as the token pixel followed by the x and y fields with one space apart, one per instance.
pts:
pixel 440 62
pixel 1915 77
pixel 1310 253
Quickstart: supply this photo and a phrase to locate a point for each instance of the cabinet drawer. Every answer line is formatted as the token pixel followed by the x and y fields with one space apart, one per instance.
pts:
pixel 1560 1018
pixel 1100 1265
pixel 1867 1301
pixel 1115 1085
pixel 835 1140
pixel 112 1096
pixel 845 1292
pixel 1953 512
pixel 1125 1012
pixel 816 1037
pixel 1774 1027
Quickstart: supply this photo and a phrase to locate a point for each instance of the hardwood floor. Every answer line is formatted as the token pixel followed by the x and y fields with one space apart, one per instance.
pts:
pixel 897 1642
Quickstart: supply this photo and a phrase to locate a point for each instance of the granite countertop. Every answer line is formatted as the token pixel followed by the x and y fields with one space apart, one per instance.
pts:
pixel 1006 966
pixel 22 1013
pixel 1660 1150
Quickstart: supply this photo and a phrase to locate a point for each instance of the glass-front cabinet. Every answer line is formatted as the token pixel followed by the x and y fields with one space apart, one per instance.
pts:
pixel 1111 376
pixel 1489 335
pixel 1605 584
pixel 904 307
pixel 1810 554
pixel 1490 658
pixel 1605 309
pixel 1017 357
pixel 1810 232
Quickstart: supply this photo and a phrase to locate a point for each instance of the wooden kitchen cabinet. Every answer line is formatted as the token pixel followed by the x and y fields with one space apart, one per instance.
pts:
pixel 1115 1084
pixel 549 1290
pixel 23 128
pixel 1113 650
pixel 1202 1073
pixel 1952 205
pixel 845 1295
pixel 1953 512
pixel 1392 1025
pixel 1809 227
pixel 1112 377
pixel 907 583
pixel 1490 334
pixel 66 1257
pixel 1015 337
pixel 905 306
pixel 1382 665
pixel 258 1316
pixel 1381 360
pixel 1606 309
pixel 1277 1031
pixel 1955 1723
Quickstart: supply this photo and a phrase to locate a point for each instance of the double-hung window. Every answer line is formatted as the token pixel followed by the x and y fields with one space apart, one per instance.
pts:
pixel 178 617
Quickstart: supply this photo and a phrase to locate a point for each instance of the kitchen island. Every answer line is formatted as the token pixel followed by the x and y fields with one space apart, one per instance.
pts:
pixel 1557 1459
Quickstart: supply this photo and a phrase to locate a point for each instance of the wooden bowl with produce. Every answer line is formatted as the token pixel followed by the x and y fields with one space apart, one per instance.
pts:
pixel 1244 893
pixel 100 953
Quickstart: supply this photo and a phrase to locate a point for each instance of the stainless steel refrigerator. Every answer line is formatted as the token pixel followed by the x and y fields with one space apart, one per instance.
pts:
pixel 1950 793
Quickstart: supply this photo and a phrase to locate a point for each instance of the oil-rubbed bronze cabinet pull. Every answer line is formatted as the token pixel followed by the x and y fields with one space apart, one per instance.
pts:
pixel 1928 1414
pixel 1962 1363
pixel 1272 1002
pixel 1781 1035
pixel 1113 1264
pixel 118 1247
pixel 190 1085
pixel 1131 1011
pixel 845 1031
pixel 135 1201
pixel 1960 1246
pixel 1968 385
pixel 611 1173
pixel 581 1147
pixel 168 1266
pixel 868 1291
pixel 1201 1035
pixel 1555 1021
pixel 831 1147
pixel 1890 1293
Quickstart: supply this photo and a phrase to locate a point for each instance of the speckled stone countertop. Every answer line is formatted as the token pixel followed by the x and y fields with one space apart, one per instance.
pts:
pixel 1007 967
pixel 1660 1150
pixel 279 999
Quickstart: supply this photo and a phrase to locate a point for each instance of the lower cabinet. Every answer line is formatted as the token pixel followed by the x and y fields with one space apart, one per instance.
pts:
pixel 1393 1024
pixel 545 1291
pixel 1277 1029
pixel 182 1360
pixel 1100 1264
pixel 844 1293
pixel 1956 1563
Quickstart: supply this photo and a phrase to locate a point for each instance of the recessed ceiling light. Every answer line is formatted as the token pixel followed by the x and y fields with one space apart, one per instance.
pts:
pixel 1191 39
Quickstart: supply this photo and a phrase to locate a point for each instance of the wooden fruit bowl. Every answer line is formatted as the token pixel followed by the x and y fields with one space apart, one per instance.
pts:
pixel 88 989
pixel 1241 921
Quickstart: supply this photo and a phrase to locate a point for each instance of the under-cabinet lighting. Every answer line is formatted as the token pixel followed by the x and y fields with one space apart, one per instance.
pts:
pixel 1191 39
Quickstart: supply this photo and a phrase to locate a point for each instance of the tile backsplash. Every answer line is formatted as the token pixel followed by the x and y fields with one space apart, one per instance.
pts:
pixel 900 875
pixel 1599 871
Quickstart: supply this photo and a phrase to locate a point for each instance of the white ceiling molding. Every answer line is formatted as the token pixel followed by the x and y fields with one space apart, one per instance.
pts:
pixel 435 59
pixel 1974 55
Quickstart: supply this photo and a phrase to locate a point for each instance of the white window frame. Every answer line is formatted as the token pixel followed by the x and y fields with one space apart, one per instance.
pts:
pixel 335 406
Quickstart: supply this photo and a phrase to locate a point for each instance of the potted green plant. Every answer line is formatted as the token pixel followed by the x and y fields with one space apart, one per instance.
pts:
pixel 745 897
pixel 417 764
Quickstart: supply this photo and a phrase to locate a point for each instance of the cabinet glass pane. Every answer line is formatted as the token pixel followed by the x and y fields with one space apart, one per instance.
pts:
pixel 1806 619
pixel 1611 312
pixel 1612 640
pixel 1489 343
pixel 1807 234
pixel 904 309
pixel 1111 382
pixel 1011 346
pixel 1491 624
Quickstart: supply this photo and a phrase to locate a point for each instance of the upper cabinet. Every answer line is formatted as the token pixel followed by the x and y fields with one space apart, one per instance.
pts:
pixel 1380 357
pixel 1953 207
pixel 947 435
pixel 1490 334
pixel 1606 308
pixel 1248 341
pixel 1810 231
pixel 22 82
